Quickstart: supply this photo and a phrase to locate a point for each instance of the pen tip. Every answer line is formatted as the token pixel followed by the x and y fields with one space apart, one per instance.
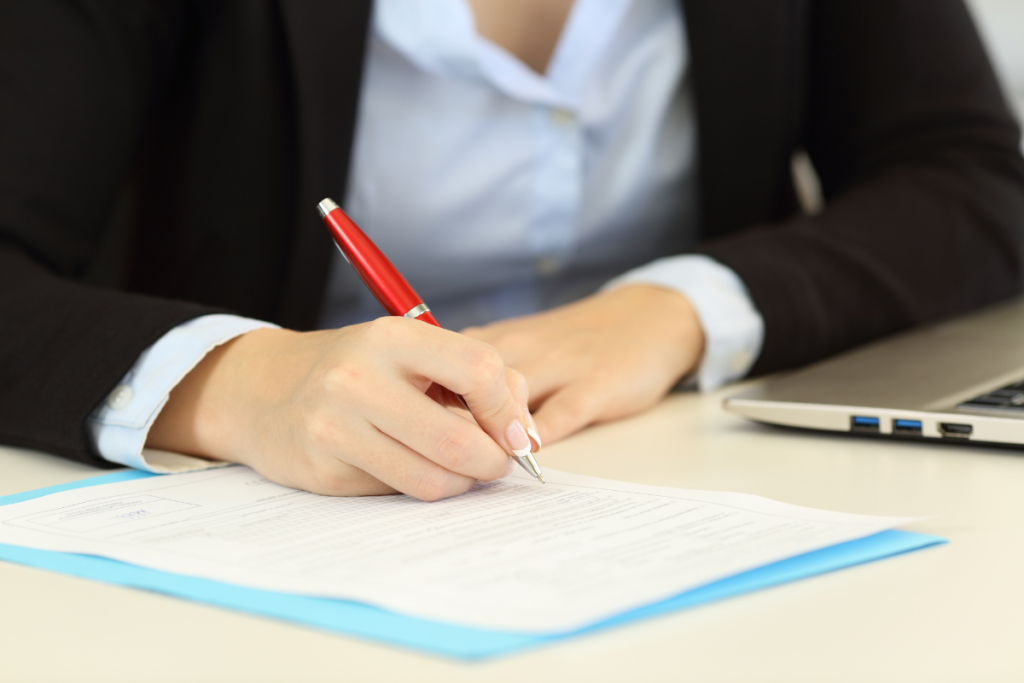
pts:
pixel 541 477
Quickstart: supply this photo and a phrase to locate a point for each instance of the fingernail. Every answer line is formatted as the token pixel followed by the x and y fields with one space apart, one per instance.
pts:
pixel 510 469
pixel 517 439
pixel 531 429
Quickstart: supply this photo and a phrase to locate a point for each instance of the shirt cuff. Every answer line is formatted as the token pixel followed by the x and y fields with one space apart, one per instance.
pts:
pixel 733 327
pixel 119 426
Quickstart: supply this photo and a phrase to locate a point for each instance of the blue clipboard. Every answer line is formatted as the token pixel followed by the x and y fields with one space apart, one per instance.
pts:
pixel 373 623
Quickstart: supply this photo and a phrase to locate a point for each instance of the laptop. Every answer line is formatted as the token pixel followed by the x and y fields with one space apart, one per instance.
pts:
pixel 961 380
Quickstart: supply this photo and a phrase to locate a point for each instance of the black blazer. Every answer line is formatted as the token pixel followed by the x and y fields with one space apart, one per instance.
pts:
pixel 162 159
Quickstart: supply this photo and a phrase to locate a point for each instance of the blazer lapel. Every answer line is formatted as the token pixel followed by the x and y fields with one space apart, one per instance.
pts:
pixel 747 61
pixel 328 44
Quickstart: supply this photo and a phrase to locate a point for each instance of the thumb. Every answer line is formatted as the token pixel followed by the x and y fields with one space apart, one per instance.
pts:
pixel 498 403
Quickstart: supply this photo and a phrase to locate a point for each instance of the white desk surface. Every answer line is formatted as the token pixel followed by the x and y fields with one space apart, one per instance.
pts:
pixel 948 613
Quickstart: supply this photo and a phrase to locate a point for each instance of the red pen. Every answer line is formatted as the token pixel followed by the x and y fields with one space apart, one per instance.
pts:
pixel 391 289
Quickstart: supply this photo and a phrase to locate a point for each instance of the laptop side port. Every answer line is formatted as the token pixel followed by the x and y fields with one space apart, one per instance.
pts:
pixel 906 427
pixel 864 424
pixel 952 430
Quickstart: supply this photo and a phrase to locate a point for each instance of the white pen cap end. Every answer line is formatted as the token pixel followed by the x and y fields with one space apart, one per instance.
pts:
pixel 326 206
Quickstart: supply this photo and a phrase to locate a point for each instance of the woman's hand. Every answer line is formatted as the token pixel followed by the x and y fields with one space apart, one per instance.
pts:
pixel 607 356
pixel 352 411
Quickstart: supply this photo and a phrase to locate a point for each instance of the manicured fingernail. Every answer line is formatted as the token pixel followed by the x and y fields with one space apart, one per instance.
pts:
pixel 531 429
pixel 517 439
pixel 510 469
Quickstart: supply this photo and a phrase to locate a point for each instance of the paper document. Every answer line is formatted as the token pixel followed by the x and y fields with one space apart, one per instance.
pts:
pixel 513 555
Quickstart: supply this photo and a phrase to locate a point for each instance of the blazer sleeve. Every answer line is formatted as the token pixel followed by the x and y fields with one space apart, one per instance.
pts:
pixel 76 78
pixel 923 180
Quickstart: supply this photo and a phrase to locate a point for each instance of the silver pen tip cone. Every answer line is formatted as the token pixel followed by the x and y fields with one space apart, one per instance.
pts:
pixel 541 477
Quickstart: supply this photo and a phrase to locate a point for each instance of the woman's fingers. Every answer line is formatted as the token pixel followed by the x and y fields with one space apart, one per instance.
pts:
pixel 517 384
pixel 409 472
pixel 381 459
pixel 446 439
pixel 330 477
pixel 600 358
pixel 468 367
pixel 569 410
pixel 545 376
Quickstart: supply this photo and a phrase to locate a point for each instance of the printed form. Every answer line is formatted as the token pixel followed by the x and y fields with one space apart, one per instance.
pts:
pixel 513 555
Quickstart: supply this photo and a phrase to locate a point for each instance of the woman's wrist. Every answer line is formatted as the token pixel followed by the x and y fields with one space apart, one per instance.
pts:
pixel 204 413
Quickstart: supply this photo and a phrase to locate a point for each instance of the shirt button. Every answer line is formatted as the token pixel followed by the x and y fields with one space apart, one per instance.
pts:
pixel 120 397
pixel 562 117
pixel 546 265
pixel 740 361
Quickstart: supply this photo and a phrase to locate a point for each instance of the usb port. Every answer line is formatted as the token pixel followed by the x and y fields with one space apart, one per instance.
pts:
pixel 864 424
pixel 952 430
pixel 907 427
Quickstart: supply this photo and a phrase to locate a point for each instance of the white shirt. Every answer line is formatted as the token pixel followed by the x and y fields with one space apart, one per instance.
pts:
pixel 498 191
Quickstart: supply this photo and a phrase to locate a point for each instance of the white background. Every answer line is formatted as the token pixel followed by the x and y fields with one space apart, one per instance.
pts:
pixel 1001 23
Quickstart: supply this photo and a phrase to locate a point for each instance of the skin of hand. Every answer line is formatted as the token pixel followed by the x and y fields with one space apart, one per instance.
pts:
pixel 354 411
pixel 601 358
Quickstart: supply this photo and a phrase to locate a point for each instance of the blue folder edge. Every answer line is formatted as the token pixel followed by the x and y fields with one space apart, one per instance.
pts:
pixel 366 621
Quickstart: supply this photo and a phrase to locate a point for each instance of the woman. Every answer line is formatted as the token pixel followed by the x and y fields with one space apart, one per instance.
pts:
pixel 511 158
